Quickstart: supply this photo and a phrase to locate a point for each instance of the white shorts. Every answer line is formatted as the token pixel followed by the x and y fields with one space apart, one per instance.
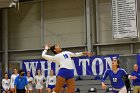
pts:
pixel 39 86
pixel 29 88
pixel 121 90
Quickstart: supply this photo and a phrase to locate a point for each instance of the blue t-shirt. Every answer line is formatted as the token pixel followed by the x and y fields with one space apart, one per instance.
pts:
pixel 115 78
pixel 136 82
pixel 20 82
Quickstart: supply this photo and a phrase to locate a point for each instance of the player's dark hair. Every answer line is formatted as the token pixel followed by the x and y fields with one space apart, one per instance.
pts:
pixel 20 71
pixel 5 74
pixel 118 63
pixel 52 48
pixel 37 71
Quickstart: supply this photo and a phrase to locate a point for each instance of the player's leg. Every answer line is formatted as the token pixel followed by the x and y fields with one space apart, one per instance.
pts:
pixel 48 90
pixel 62 90
pixel 71 85
pixel 12 90
pixel 30 91
pixel 59 83
pixel 41 90
pixel 38 90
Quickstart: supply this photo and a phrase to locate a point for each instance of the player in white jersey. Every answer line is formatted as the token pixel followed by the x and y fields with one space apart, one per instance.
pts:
pixel 66 71
pixel 13 76
pixel 30 84
pixel 6 84
pixel 39 81
pixel 51 81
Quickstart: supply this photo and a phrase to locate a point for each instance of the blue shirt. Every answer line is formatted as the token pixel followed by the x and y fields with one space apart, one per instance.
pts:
pixel 115 78
pixel 136 82
pixel 20 82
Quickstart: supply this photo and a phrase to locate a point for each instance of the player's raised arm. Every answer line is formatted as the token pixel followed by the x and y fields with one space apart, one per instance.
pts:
pixel 44 54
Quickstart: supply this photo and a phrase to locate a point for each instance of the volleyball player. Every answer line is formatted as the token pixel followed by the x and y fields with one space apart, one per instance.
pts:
pixel 6 84
pixel 39 81
pixel 66 71
pixel 30 83
pixel 51 81
pixel 13 76
pixel 116 77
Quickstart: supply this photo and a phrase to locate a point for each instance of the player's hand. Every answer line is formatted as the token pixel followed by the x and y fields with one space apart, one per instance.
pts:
pixel 133 77
pixel 47 46
pixel 89 54
pixel 104 86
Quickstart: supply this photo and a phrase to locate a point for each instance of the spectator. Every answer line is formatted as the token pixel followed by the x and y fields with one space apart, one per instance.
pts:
pixel 136 82
pixel 21 82
pixel 6 84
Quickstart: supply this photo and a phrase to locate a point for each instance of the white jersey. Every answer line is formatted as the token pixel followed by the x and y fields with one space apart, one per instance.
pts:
pixel 51 80
pixel 63 58
pixel 30 85
pixel 6 84
pixel 39 81
pixel 13 80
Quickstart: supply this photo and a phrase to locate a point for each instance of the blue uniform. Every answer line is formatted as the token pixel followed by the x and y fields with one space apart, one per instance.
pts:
pixel 136 82
pixel 20 82
pixel 115 78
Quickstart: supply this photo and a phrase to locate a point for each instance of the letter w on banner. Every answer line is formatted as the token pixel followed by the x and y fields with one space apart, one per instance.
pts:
pixel 95 65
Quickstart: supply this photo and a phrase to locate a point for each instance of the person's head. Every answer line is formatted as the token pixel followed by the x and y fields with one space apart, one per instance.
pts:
pixel 15 71
pixel 21 72
pixel 51 72
pixel 28 74
pixel 6 76
pixel 135 67
pixel 38 72
pixel 115 62
pixel 56 49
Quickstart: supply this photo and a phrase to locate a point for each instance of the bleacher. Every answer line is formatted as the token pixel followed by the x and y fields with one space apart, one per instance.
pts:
pixel 87 82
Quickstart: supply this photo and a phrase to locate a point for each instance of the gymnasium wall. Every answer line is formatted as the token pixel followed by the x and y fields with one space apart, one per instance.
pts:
pixel 106 43
pixel 64 23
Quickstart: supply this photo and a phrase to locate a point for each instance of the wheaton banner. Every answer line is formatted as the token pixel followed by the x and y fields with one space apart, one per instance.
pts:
pixel 95 65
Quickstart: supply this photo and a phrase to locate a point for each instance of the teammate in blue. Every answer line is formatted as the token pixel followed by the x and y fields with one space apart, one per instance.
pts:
pixel 136 82
pixel 66 71
pixel 116 75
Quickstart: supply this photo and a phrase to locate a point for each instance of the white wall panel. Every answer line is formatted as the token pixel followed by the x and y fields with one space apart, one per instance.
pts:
pixel 24 27
pixel 115 49
pixel 64 22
